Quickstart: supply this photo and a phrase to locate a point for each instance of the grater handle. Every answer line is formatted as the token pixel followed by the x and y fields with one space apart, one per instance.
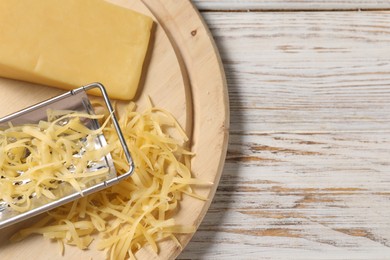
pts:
pixel 117 129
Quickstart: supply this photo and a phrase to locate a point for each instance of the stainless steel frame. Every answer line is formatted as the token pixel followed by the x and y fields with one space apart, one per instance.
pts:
pixel 32 114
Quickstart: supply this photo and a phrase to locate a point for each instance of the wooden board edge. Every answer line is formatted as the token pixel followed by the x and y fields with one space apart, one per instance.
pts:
pixel 159 10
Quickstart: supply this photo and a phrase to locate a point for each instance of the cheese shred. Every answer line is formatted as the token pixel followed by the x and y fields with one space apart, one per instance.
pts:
pixel 36 160
pixel 137 211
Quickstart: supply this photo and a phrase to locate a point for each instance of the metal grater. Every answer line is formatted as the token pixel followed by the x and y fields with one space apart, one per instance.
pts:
pixel 74 100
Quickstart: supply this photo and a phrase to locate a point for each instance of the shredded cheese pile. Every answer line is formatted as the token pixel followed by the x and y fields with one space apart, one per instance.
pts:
pixel 35 160
pixel 138 210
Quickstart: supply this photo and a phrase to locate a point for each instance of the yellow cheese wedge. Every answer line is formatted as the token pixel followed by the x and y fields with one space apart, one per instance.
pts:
pixel 71 43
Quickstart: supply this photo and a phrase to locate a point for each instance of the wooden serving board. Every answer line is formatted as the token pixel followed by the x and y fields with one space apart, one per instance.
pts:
pixel 185 76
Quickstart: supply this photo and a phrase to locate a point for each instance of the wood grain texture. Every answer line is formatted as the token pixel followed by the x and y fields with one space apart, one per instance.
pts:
pixel 307 173
pixel 251 5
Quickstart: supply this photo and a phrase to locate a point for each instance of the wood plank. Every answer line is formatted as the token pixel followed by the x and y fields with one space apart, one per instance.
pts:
pixel 307 171
pixel 247 5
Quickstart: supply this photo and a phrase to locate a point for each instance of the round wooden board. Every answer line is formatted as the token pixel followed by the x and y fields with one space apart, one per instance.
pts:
pixel 185 76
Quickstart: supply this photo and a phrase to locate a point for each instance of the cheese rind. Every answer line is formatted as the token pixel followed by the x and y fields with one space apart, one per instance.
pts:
pixel 71 43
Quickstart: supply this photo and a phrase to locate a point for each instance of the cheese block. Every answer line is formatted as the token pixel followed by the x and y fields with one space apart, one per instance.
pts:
pixel 71 43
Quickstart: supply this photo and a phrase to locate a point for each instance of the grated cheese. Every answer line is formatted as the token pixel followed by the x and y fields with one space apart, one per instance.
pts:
pixel 38 159
pixel 137 211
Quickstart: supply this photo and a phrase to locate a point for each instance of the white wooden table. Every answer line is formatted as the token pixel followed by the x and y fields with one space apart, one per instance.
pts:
pixel 307 174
